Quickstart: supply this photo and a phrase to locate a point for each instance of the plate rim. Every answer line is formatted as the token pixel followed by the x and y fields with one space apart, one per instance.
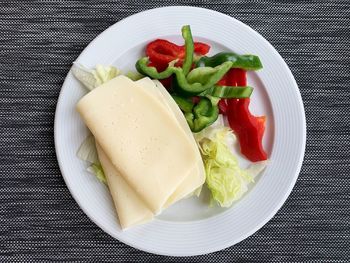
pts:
pixel 222 245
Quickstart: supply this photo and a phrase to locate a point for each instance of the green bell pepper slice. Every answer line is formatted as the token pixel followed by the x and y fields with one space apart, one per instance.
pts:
pixel 202 79
pixel 199 79
pixel 198 116
pixel 143 68
pixel 247 62
pixel 229 92
pixel 189 49
pixel 203 115
pixel 184 103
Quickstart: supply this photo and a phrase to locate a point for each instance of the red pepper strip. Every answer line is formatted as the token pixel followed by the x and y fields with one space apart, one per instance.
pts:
pixel 237 77
pixel 196 99
pixel 159 67
pixel 249 128
pixel 161 51
pixel 167 83
pixel 261 122
pixel 234 77
pixel 222 106
pixel 200 48
pixel 222 103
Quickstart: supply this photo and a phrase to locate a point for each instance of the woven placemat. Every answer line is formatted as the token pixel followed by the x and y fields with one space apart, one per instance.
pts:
pixel 40 221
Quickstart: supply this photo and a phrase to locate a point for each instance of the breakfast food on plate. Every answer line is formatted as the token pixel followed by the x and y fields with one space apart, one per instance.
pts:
pixel 135 146
pixel 154 145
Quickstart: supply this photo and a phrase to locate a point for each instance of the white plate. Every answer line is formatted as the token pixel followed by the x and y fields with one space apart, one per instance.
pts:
pixel 190 227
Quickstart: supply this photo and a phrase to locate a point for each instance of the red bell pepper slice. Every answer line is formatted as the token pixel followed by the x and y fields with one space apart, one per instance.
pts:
pixel 196 99
pixel 159 67
pixel 234 77
pixel 222 106
pixel 167 83
pixel 248 128
pixel 200 48
pixel 161 51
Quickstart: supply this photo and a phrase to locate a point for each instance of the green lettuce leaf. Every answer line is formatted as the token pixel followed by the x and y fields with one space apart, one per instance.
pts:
pixel 92 78
pixel 88 152
pixel 226 180
pixel 97 170
pixel 134 75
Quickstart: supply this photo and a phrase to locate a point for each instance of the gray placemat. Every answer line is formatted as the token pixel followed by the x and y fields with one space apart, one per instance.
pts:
pixel 40 221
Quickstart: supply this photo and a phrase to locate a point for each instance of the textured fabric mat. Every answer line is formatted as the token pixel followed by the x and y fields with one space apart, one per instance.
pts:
pixel 40 221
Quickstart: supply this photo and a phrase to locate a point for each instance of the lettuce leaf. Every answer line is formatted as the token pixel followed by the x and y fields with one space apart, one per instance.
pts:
pixel 92 78
pixel 134 75
pixel 88 152
pixel 97 170
pixel 224 177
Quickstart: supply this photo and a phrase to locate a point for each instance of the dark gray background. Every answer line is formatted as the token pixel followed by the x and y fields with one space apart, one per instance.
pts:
pixel 40 221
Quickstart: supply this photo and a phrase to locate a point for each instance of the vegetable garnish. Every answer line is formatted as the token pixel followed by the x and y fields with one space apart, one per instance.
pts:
pixel 247 62
pixel 234 77
pixel 182 85
pixel 92 78
pixel 173 65
pixel 224 177
pixel 97 170
pixel 134 75
pixel 87 152
pixel 161 52
pixel 189 49
pixel 249 128
pixel 229 92
pixel 203 115
pixel 185 104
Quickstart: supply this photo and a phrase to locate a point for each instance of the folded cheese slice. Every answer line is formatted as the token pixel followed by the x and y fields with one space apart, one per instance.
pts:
pixel 141 139
pixel 196 177
pixel 130 208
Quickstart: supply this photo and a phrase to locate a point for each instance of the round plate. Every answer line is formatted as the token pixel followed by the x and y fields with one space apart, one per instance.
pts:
pixel 190 227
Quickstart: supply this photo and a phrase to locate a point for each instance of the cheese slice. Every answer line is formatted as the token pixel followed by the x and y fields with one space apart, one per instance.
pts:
pixel 141 139
pixel 196 176
pixel 130 208
pixel 195 180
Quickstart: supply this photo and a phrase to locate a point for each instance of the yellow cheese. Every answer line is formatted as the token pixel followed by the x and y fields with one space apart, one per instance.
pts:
pixel 141 139
pixel 196 176
pixel 130 208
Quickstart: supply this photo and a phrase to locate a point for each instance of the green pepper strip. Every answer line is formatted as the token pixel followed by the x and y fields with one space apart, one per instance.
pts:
pixel 184 104
pixel 183 87
pixel 143 68
pixel 247 62
pixel 189 49
pixel 229 92
pixel 203 115
pixel 202 82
